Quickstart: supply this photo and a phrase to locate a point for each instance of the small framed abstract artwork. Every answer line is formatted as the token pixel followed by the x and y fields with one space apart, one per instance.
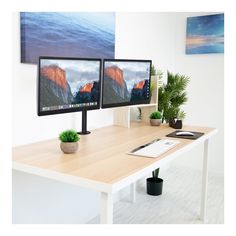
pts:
pixel 205 34
pixel 67 34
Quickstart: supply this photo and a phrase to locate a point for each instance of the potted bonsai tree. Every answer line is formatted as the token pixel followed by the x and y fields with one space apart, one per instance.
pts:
pixel 69 141
pixel 155 118
pixel 154 184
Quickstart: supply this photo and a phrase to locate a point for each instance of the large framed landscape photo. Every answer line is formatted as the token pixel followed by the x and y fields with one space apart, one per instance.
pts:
pixel 67 34
pixel 205 34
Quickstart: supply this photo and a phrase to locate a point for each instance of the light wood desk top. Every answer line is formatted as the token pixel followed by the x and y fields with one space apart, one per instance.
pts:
pixel 101 157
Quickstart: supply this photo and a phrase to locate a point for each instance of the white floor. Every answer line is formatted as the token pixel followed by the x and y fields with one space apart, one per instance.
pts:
pixel 178 204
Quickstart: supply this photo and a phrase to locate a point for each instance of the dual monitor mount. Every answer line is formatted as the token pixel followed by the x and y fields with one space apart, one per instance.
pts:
pixel 84 123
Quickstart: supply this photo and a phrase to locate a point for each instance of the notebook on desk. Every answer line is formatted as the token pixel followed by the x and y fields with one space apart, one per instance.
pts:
pixel 154 148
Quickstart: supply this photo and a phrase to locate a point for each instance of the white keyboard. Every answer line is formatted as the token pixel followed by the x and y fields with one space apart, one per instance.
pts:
pixel 155 148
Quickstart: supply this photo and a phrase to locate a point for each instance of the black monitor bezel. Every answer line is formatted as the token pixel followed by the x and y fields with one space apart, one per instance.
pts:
pixel 147 101
pixel 76 109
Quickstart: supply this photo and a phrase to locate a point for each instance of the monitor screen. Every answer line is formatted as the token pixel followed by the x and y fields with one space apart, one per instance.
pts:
pixel 68 85
pixel 126 82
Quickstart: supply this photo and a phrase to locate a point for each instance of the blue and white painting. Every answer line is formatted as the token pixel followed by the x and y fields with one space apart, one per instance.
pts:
pixel 67 34
pixel 205 34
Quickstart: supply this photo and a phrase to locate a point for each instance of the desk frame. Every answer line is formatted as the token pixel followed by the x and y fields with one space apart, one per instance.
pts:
pixel 106 198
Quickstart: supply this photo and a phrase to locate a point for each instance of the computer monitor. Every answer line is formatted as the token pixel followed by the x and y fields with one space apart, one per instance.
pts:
pixel 125 82
pixel 68 85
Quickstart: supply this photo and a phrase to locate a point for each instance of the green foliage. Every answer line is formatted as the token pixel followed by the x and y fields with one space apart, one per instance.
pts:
pixel 172 95
pixel 153 70
pixel 69 136
pixel 159 74
pixel 155 173
pixel 155 115
pixel 152 87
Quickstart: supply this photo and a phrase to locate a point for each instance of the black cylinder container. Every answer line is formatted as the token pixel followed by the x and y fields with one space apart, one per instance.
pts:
pixel 176 124
pixel 154 186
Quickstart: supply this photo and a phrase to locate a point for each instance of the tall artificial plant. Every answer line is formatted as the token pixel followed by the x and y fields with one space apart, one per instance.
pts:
pixel 172 95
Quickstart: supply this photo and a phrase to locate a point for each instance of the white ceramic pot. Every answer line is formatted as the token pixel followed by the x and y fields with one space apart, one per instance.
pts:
pixel 155 122
pixel 67 147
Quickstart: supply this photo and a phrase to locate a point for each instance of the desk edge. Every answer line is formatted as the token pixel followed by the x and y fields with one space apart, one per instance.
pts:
pixel 66 178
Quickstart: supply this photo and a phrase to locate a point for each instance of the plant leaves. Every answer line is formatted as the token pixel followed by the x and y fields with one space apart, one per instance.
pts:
pixel 173 95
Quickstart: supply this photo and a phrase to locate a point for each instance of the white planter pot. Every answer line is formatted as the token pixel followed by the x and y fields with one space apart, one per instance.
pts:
pixel 69 147
pixel 155 122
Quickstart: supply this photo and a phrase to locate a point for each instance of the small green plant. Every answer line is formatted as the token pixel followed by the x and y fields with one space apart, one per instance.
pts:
pixel 69 136
pixel 155 174
pixel 155 115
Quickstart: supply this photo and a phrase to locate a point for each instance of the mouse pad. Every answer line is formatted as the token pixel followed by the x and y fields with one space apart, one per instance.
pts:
pixel 196 135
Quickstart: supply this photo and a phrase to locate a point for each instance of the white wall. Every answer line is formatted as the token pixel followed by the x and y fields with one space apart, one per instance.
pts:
pixel 146 36
pixel 205 106
pixel 159 36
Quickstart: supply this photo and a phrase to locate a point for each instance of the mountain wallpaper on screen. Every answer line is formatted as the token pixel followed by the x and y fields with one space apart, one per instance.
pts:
pixel 115 87
pixel 55 89
pixel 139 91
pixel 88 93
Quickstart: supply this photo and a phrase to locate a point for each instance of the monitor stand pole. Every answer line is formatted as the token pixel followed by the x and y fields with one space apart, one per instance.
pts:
pixel 84 123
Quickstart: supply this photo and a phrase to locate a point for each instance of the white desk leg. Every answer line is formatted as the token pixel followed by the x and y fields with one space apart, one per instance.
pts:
pixel 106 211
pixel 133 192
pixel 204 182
